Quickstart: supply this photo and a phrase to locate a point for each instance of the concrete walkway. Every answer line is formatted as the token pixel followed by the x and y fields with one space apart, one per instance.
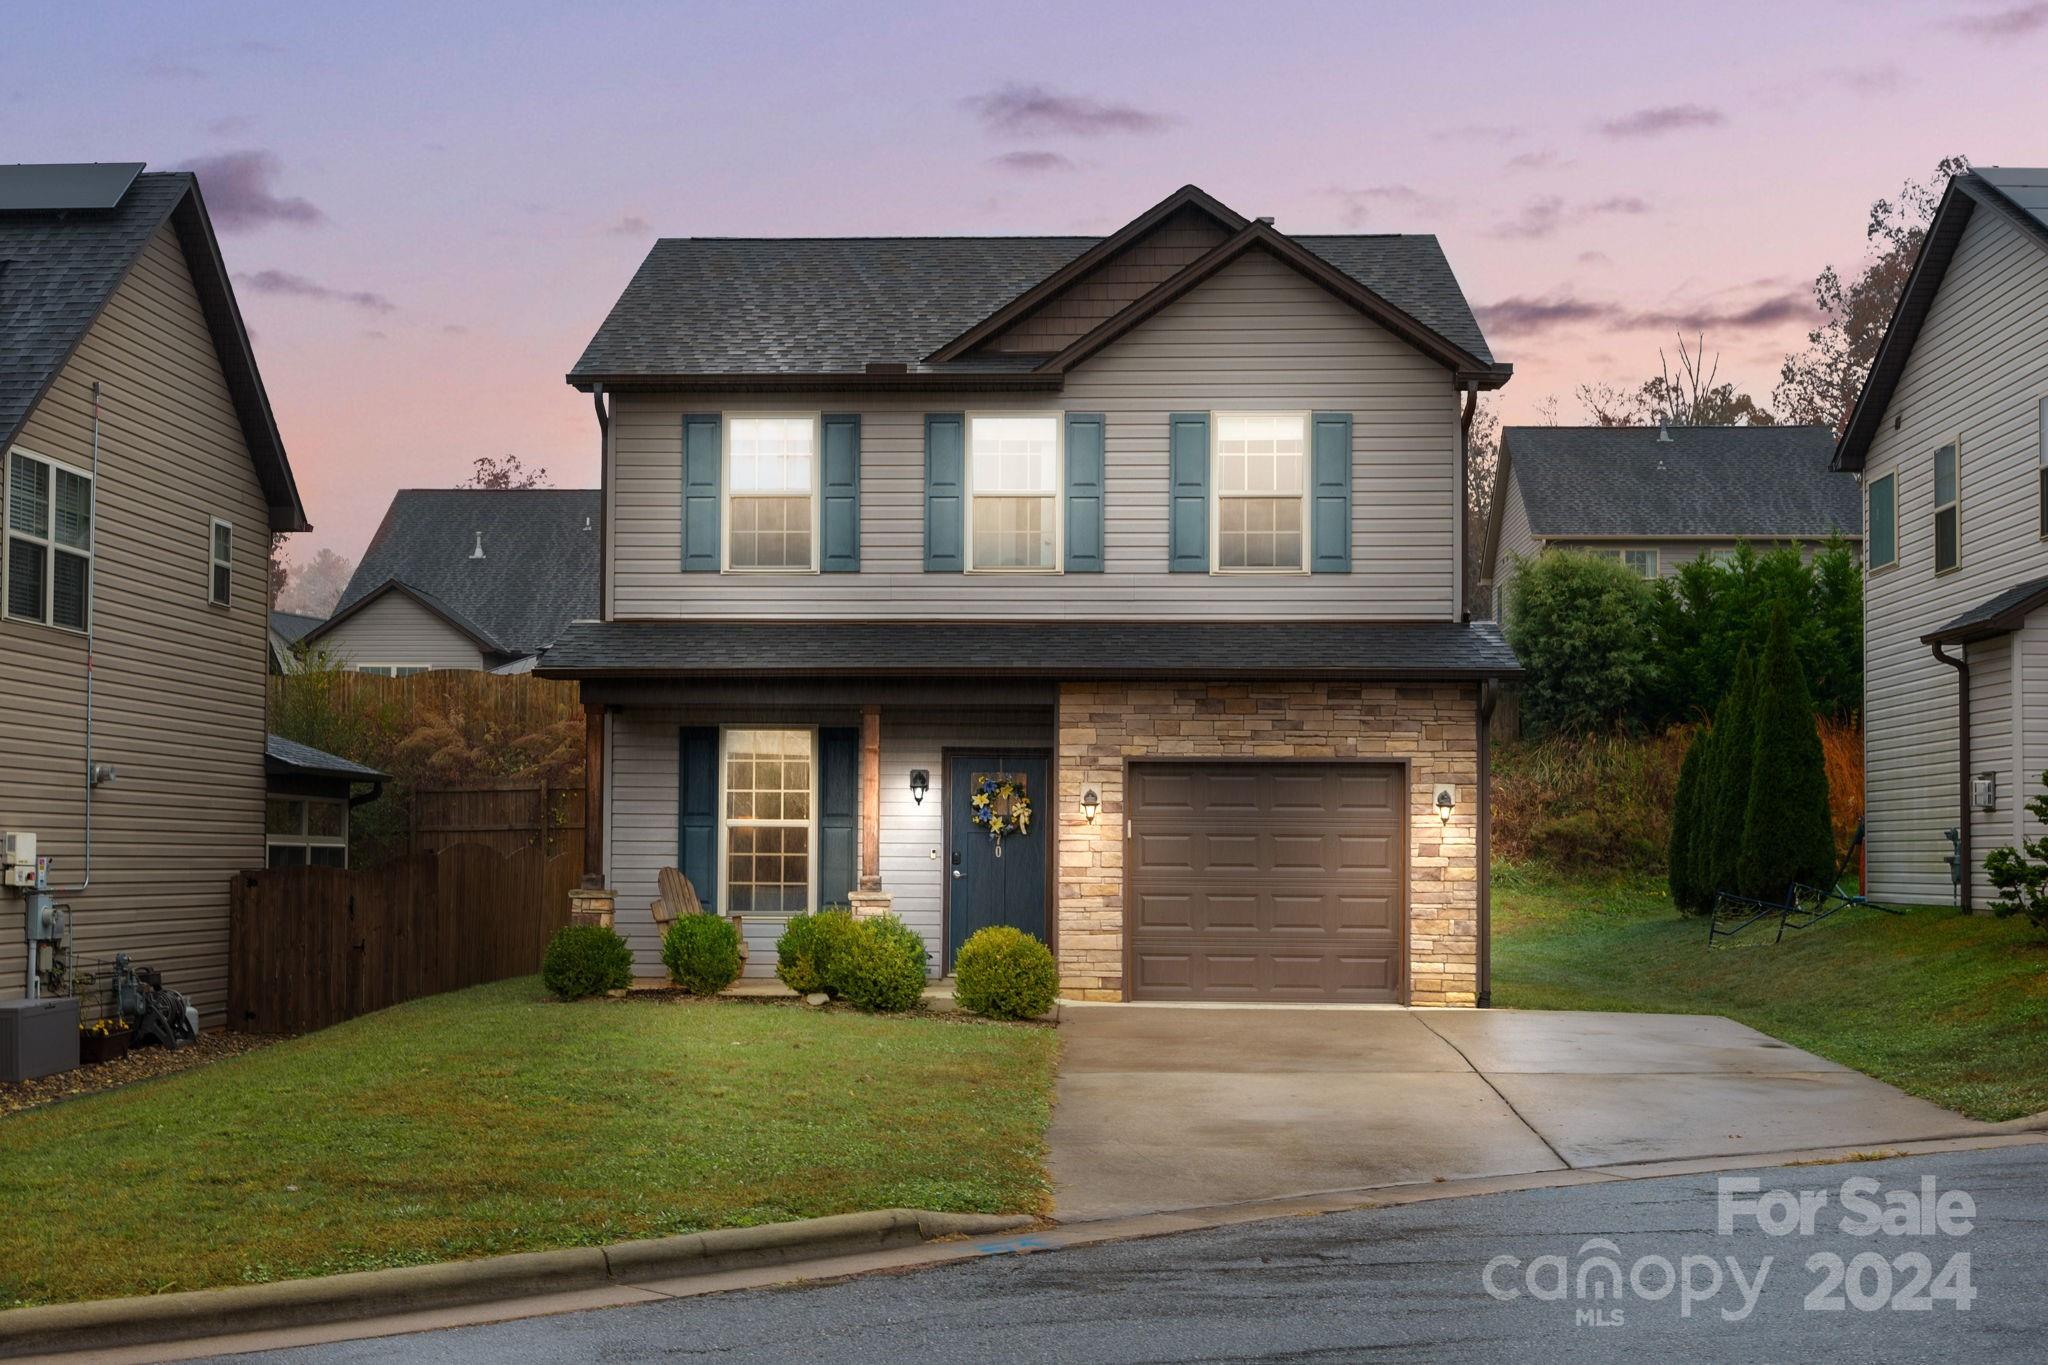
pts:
pixel 1170 1108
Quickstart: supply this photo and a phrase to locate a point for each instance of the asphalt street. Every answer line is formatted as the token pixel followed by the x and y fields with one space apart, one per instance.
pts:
pixel 1949 1264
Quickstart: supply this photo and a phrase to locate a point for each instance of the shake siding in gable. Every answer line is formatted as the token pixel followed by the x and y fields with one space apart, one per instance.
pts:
pixel 179 704
pixel 1978 371
pixel 1256 336
pixel 395 629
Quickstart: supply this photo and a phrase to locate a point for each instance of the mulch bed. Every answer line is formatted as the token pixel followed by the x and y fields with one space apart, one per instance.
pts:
pixel 140 1064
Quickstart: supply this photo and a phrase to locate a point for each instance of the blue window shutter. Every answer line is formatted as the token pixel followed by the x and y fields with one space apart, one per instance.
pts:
pixel 1187 453
pixel 1084 492
pixel 1330 493
pixel 838 812
pixel 945 490
pixel 839 516
pixel 697 810
pixel 701 454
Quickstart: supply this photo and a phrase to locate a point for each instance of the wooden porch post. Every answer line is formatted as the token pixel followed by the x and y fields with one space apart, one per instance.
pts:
pixel 870 798
pixel 593 794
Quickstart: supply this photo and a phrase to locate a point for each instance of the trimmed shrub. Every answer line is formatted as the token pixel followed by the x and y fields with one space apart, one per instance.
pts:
pixel 1005 973
pixel 877 965
pixel 584 960
pixel 1726 782
pixel 1680 864
pixel 2020 872
pixel 804 951
pixel 1787 831
pixel 702 953
pixel 1579 624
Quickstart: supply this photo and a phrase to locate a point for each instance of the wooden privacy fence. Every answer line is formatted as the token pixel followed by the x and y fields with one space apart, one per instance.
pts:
pixel 519 702
pixel 509 814
pixel 312 946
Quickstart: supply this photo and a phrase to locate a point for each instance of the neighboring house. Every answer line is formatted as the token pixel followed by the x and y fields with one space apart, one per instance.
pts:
pixel 309 795
pixel 287 628
pixel 1950 437
pixel 144 479
pixel 1160 530
pixel 1656 498
pixel 467 578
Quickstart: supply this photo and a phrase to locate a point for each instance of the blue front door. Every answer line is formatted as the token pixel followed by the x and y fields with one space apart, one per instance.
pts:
pixel 984 884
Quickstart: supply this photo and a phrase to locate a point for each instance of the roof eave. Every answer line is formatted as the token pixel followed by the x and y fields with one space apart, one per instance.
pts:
pixel 1105 671
pixel 888 381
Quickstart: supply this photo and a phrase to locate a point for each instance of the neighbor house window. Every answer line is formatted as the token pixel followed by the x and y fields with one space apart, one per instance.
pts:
pixel 391 670
pixel 1947 509
pixel 1013 482
pixel 305 832
pixel 768 810
pixel 221 582
pixel 1261 491
pixel 49 542
pixel 1642 563
pixel 771 487
pixel 1884 521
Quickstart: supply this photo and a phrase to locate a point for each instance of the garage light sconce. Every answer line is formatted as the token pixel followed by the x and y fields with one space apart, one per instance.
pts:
pixel 920 783
pixel 1091 805
pixel 1446 802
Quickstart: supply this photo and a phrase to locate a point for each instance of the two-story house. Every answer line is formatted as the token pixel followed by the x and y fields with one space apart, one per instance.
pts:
pixel 1107 588
pixel 1950 438
pixel 144 479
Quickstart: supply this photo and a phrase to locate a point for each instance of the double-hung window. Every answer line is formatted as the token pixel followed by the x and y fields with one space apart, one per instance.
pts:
pixel 2041 446
pixel 1261 492
pixel 1883 515
pixel 391 670
pixel 1948 531
pixel 221 581
pixel 1642 563
pixel 768 821
pixel 1013 487
pixel 49 542
pixel 305 832
pixel 771 494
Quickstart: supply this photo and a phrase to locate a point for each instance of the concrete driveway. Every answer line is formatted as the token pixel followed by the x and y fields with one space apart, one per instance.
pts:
pixel 1164 1107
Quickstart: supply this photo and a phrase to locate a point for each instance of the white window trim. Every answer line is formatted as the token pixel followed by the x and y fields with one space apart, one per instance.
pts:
pixel 725 490
pixel 379 669
pixel 214 561
pixel 1059 492
pixel 1656 560
pixel 48 541
pixel 304 839
pixel 1870 541
pixel 724 897
pixel 1216 496
pixel 1934 517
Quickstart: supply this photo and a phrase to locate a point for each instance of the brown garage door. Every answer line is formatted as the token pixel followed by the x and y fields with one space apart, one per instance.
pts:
pixel 1266 881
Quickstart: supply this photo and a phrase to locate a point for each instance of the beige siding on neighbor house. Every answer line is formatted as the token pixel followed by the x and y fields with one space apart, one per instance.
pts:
pixel 1256 336
pixel 395 629
pixel 179 705
pixel 1978 372
pixel 1516 542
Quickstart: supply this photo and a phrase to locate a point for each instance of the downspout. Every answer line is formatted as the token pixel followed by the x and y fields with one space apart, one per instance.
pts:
pixel 92 547
pixel 1961 664
pixel 357 798
pixel 1464 494
pixel 1489 694
pixel 604 496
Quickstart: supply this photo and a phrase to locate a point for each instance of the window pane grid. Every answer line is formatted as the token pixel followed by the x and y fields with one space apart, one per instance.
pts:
pixel 1261 477
pixel 28 496
pixel 1947 532
pixel 1013 481
pixel 771 532
pixel 1013 533
pixel 1015 454
pixel 771 455
pixel 1259 533
pixel 768 813
pixel 49 539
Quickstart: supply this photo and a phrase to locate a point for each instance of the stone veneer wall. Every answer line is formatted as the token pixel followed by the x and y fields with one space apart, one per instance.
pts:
pixel 1434 726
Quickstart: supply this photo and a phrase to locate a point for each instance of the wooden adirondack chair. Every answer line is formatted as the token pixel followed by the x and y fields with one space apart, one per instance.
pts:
pixel 678 897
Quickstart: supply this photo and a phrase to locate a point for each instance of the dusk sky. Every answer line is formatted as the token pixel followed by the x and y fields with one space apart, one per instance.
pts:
pixel 429 208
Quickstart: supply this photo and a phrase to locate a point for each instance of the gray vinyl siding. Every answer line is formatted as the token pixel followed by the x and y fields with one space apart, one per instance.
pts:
pixel 1673 555
pixel 2030 705
pixel 395 629
pixel 1978 371
pixel 1992 735
pixel 1257 336
pixel 1515 543
pixel 179 691
pixel 641 833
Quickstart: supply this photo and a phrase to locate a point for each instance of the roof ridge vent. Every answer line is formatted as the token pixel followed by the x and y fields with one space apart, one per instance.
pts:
pixel 586 523
pixel 478 552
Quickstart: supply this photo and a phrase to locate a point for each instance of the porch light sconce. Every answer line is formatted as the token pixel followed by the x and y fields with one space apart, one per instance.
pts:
pixel 1446 802
pixel 920 783
pixel 1091 805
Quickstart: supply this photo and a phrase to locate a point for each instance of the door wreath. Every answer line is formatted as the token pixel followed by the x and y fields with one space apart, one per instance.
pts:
pixel 1001 806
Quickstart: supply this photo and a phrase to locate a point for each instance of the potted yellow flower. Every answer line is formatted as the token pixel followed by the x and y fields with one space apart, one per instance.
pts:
pixel 103 1040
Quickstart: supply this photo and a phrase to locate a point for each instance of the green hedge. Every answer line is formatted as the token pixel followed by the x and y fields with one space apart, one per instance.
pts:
pixel 1005 973
pixel 702 953
pixel 583 960
pixel 879 964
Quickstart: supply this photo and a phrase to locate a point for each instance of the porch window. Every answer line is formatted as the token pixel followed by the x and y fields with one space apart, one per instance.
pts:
pixel 305 832
pixel 1261 492
pixel 1947 508
pixel 768 815
pixel 1013 486
pixel 771 494
pixel 1884 521
pixel 49 542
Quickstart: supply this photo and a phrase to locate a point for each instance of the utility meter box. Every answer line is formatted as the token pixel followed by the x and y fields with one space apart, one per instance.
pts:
pixel 17 859
pixel 1984 791
pixel 38 1037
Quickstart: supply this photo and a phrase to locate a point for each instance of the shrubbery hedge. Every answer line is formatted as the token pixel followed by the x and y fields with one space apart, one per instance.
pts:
pixel 702 953
pixel 583 960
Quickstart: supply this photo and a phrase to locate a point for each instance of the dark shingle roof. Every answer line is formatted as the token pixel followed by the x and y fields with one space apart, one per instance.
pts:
pixel 2006 612
pixel 291 626
pixel 57 271
pixel 288 756
pixel 539 569
pixel 1044 649
pixel 830 305
pixel 1708 481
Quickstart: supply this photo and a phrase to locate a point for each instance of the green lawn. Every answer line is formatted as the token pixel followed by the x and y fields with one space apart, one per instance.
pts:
pixel 492 1120
pixel 1950 1007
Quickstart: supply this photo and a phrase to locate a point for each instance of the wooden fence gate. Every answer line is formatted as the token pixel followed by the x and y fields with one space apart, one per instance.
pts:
pixel 312 946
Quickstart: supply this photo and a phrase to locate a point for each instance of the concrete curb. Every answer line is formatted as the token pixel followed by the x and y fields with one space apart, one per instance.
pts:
pixel 109 1323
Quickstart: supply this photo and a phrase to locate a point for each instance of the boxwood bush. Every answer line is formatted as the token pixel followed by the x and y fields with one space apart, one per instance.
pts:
pixel 803 954
pixel 584 960
pixel 1005 973
pixel 878 965
pixel 702 953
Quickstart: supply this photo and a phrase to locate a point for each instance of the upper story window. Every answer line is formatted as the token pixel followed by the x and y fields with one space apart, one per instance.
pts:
pixel 220 585
pixel 1947 507
pixel 49 542
pixel 1883 496
pixel 1013 491
pixel 771 494
pixel 1641 563
pixel 1261 492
